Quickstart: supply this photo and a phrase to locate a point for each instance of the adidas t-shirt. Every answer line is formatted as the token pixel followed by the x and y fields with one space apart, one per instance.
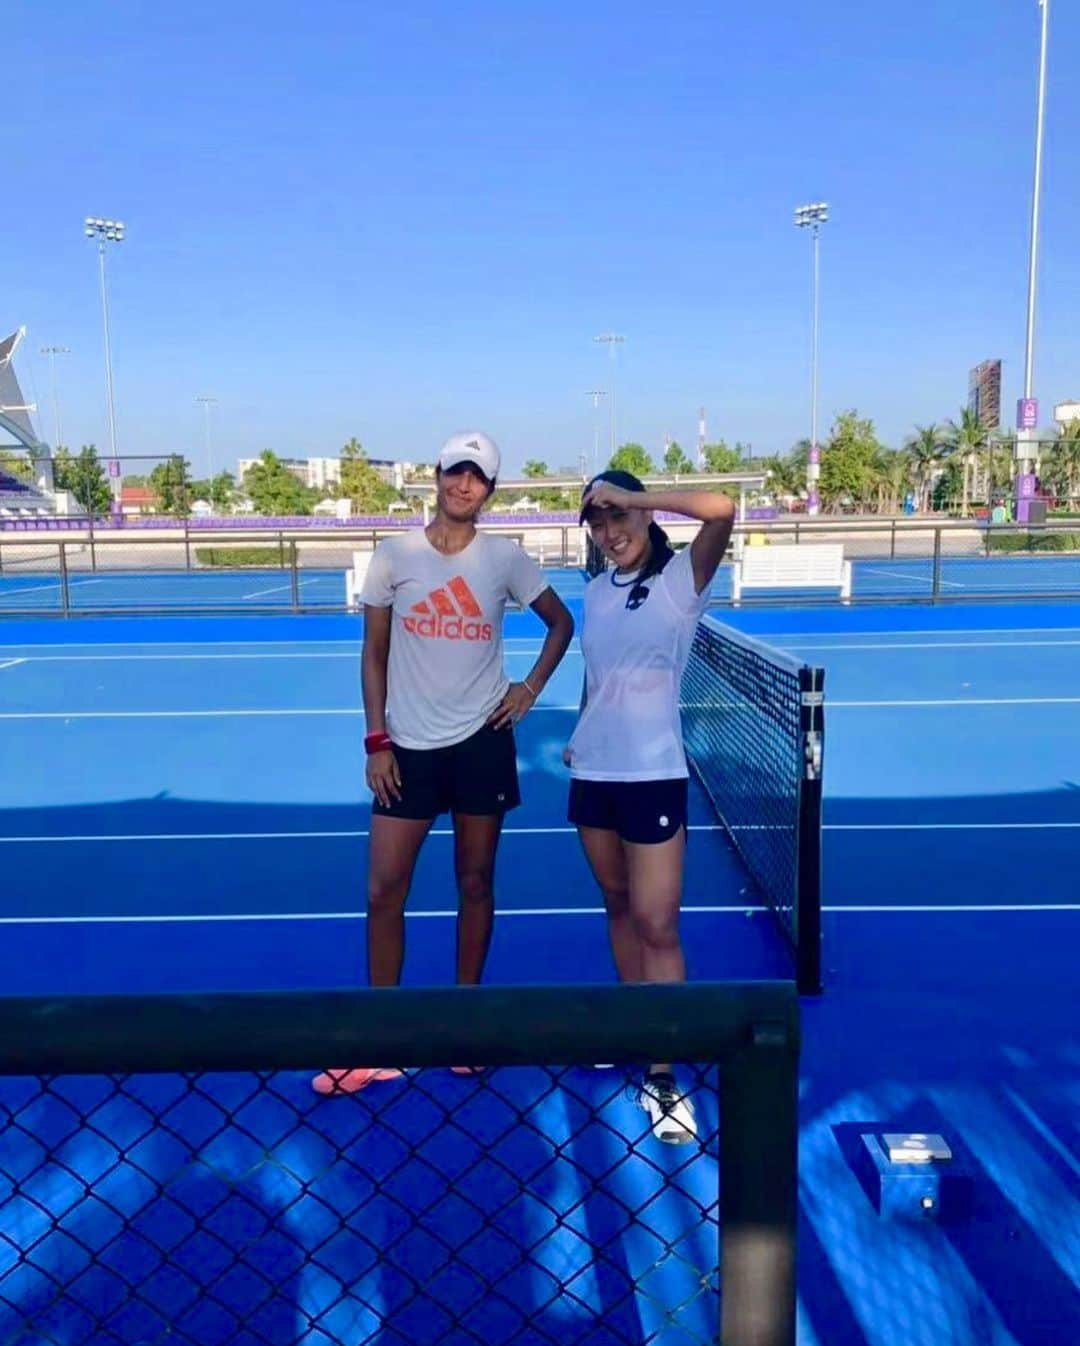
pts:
pixel 445 675
pixel 636 640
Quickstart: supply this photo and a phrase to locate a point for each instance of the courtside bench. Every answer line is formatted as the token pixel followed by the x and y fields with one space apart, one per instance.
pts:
pixel 354 579
pixel 808 566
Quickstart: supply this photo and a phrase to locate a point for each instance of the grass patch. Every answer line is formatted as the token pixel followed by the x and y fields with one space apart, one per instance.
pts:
pixel 1035 542
pixel 233 558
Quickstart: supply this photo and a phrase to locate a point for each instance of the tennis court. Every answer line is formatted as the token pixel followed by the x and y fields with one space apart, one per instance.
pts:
pixel 34 587
pixel 184 811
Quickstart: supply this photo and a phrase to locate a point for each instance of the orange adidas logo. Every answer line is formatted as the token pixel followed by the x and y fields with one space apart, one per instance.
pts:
pixel 449 614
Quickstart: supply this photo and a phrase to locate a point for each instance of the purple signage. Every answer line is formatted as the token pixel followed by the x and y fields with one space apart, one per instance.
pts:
pixel 813 503
pixel 815 453
pixel 1026 485
pixel 114 467
pixel 1027 413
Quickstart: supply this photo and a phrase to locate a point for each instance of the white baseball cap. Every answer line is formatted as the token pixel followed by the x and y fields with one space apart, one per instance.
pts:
pixel 471 446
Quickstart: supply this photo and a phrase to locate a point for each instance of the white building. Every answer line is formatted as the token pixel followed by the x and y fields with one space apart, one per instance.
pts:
pixel 323 473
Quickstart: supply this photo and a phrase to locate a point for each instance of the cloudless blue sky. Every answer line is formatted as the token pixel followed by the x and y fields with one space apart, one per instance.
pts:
pixel 395 221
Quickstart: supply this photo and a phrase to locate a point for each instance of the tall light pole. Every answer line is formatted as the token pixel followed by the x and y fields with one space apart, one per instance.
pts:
pixel 107 231
pixel 812 217
pixel 596 394
pixel 207 403
pixel 52 352
pixel 1027 409
pixel 612 342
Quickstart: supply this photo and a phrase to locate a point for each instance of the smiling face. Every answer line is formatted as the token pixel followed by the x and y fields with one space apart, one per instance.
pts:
pixel 622 535
pixel 462 491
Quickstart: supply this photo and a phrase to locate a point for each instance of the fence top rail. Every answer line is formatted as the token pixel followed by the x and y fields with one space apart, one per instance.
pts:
pixel 481 1025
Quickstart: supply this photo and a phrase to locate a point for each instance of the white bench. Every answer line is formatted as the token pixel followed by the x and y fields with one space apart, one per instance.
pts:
pixel 809 566
pixel 354 579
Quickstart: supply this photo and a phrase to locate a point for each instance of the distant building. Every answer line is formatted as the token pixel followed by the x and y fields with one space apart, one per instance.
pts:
pixel 138 500
pixel 984 393
pixel 320 474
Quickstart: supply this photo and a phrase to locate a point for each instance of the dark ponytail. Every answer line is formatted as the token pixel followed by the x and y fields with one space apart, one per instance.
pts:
pixel 660 554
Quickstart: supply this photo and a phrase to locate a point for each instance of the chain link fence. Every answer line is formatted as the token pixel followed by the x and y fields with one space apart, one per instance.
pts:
pixel 168 1175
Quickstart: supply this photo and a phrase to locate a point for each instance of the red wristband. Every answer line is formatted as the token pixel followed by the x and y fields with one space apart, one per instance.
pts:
pixel 377 743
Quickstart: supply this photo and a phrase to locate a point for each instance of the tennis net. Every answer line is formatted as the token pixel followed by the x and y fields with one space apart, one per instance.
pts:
pixel 754 728
pixel 167 1173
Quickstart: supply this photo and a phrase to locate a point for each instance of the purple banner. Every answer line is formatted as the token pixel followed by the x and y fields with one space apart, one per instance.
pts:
pixel 815 453
pixel 1027 413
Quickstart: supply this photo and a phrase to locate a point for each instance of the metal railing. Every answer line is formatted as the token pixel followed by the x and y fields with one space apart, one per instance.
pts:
pixel 274 569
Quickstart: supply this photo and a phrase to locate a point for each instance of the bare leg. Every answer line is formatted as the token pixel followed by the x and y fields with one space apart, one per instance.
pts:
pixel 476 839
pixel 607 859
pixel 394 846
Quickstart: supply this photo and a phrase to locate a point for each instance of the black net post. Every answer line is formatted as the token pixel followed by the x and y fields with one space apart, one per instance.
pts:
pixel 759 1195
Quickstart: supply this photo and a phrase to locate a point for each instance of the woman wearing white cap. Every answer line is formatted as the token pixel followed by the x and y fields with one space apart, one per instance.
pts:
pixel 628 793
pixel 441 710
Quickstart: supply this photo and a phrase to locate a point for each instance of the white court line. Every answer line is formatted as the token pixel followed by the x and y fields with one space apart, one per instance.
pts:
pixel 12 663
pixel 294 711
pixel 899 575
pixel 772 637
pixel 219 917
pixel 509 832
pixel 304 654
pixel 955 701
pixel 933 645
pixel 280 588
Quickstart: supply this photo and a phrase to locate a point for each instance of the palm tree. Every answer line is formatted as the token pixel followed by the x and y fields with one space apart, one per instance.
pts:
pixel 890 470
pixel 965 438
pixel 925 449
pixel 1063 467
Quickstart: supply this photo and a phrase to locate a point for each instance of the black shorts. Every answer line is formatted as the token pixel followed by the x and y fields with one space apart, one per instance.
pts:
pixel 478 775
pixel 642 811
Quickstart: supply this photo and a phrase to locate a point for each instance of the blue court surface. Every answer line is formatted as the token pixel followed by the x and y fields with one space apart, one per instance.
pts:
pixel 23 590
pixel 183 808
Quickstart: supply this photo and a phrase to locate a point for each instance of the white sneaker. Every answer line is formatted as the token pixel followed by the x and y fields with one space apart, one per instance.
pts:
pixel 671 1115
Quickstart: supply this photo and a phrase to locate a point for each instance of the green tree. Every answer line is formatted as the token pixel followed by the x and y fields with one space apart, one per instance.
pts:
pixel 890 476
pixel 17 465
pixel 675 460
pixel 221 492
pixel 172 484
pixel 631 458
pixel 966 439
pixel 535 467
pixel 1062 471
pixel 84 477
pixel 785 475
pixel 848 459
pixel 925 449
pixel 361 485
pixel 719 457
pixel 274 490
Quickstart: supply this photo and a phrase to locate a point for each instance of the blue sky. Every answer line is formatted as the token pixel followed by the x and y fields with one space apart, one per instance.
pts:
pixel 396 221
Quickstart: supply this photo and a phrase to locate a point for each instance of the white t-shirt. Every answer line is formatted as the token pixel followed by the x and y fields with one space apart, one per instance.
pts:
pixel 630 728
pixel 445 673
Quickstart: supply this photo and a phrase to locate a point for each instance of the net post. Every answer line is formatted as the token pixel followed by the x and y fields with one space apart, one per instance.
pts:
pixel 294 575
pixel 937 562
pixel 65 586
pixel 892 540
pixel 759 1101
pixel 187 543
pixel 808 892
